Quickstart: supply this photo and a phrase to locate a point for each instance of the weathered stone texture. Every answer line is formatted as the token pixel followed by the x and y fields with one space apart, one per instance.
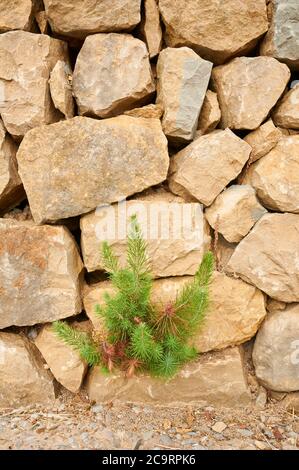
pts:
pixel 183 78
pixel 216 30
pixel 213 380
pixel 247 89
pixel 206 166
pixel 276 351
pixel 78 19
pixel 39 274
pixel 262 140
pixel 268 256
pixel 234 212
pixel 61 89
pixel 64 361
pixel 112 74
pixel 91 163
pixel 16 14
pixel 23 379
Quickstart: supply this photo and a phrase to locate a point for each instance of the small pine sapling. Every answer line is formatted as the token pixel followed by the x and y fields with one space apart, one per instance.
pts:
pixel 137 334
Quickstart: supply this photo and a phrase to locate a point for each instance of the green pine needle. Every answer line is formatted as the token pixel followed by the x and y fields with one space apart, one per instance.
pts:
pixel 80 341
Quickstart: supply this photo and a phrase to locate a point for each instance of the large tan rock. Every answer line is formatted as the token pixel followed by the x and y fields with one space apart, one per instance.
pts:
pixel 16 14
pixel 268 256
pixel 39 274
pixel 27 60
pixel 216 30
pixel 282 39
pixel 206 166
pixel 213 380
pixel 112 74
pixel 236 308
pixel 91 162
pixel 174 233
pixel 11 188
pixel 150 111
pixel 78 19
pixel 64 361
pixel 150 27
pixel 234 212
pixel 262 140
pixel 210 113
pixel 244 92
pixel 276 176
pixel 286 114
pixel 183 79
pixel 276 351
pixel 61 89
pixel 23 379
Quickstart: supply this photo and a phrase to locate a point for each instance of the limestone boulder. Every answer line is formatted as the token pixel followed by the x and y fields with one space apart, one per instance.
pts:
pixel 286 114
pixel 210 114
pixel 234 212
pixel 207 165
pixel 27 60
pixel 216 30
pixel 65 362
pixel 11 188
pixel 112 74
pixel 213 380
pixel 223 253
pixel 275 177
pixel 78 19
pixel 282 41
pixel 61 89
pixel 23 379
pixel 91 162
pixel 150 27
pixel 268 256
pixel 39 274
pixel 150 111
pixel 235 312
pixel 174 232
pixel 18 14
pixel 183 79
pixel 276 351
pixel 262 140
pixel 244 92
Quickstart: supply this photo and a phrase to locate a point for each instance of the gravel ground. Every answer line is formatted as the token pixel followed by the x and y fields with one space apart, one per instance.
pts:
pixel 76 424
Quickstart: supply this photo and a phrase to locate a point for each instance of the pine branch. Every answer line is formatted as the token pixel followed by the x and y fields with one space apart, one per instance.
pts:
pixel 143 346
pixel 205 270
pixel 137 258
pixel 79 341
pixel 110 261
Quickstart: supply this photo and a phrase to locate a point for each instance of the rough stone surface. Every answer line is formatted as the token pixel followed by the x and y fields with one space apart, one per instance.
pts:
pixel 27 60
pixel 150 111
pixel 206 166
pixel 39 274
pixel 213 380
pixel 11 188
pixel 234 212
pixel 65 363
pixel 61 89
pixel 247 89
pixel 223 253
pixel 100 85
pixel 282 40
pixel 268 256
pixel 276 351
pixel 174 233
pixel 183 79
pixel 236 308
pixel 42 21
pixel 276 176
pixel 77 19
pixel 91 162
pixel 23 380
pixel 16 14
pixel 216 30
pixel 286 114
pixel 262 140
pixel 210 113
pixel 150 27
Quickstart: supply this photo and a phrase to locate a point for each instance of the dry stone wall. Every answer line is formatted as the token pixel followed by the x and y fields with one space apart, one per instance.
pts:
pixel 191 105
